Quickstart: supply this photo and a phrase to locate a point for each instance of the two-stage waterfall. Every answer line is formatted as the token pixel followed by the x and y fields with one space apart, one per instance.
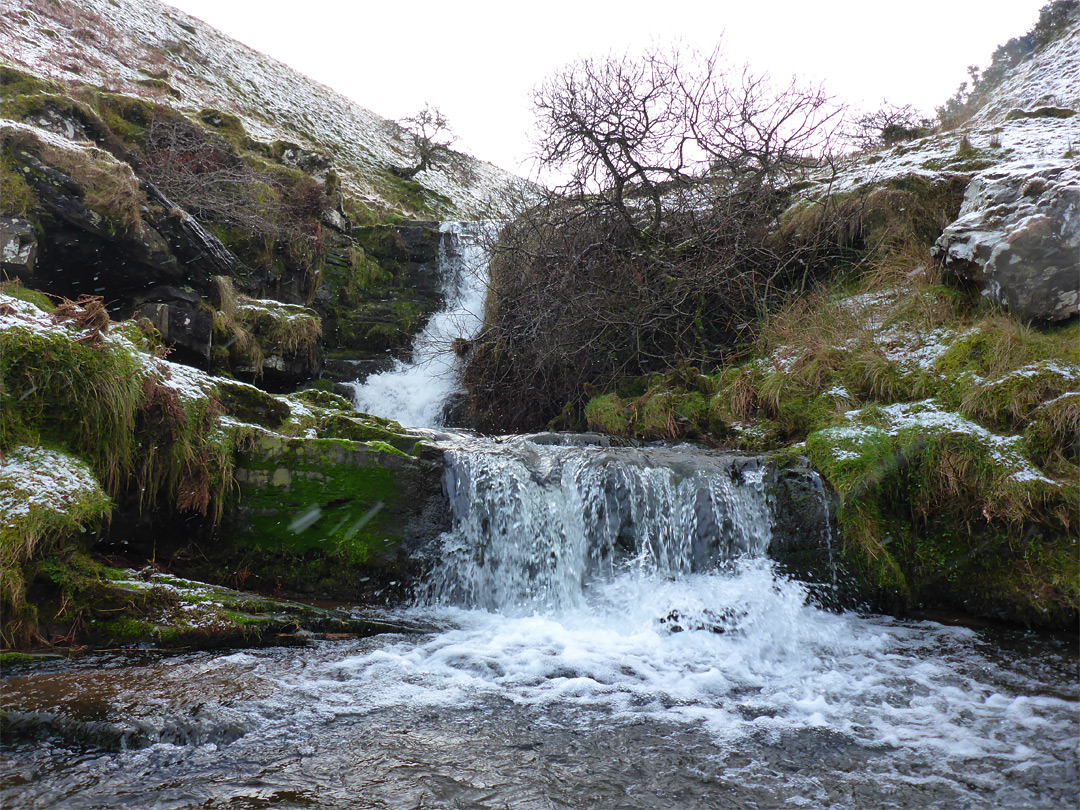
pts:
pixel 603 630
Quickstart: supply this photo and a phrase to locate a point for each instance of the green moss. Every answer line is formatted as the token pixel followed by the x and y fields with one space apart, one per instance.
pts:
pixel 247 403
pixel 223 122
pixel 62 500
pixel 939 510
pixel 322 496
pixel 11 659
pixel 1041 112
pixel 16 196
pixel 160 85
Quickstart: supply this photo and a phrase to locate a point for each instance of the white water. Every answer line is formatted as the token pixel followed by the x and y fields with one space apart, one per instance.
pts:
pixel 606 632
pixel 415 392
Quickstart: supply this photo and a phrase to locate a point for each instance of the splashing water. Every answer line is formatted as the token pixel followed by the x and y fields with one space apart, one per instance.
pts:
pixel 414 393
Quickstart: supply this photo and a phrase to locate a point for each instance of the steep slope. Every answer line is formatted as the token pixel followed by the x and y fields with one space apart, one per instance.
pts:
pixel 148 49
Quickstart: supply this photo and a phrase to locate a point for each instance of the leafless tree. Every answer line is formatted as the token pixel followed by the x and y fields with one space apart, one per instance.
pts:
pixel 659 249
pixel 208 179
pixel 627 129
pixel 888 125
pixel 431 138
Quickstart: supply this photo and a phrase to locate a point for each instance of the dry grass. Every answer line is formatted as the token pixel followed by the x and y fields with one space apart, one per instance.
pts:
pixel 109 186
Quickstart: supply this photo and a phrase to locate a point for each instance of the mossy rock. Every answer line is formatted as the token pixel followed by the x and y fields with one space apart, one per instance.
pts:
pixel 351 509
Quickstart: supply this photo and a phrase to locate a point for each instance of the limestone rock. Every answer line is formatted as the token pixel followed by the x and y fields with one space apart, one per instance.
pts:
pixel 1018 237
pixel 18 248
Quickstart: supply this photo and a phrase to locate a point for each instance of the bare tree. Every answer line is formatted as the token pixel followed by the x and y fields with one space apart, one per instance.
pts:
pixel 633 128
pixel 659 249
pixel 890 124
pixel 431 139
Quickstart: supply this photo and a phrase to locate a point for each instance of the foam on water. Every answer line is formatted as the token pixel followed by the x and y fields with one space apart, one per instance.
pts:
pixel 414 393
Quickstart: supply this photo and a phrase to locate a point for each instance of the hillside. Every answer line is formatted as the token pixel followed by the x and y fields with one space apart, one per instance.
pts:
pixel 147 49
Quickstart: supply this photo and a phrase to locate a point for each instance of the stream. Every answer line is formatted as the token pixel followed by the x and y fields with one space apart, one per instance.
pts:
pixel 604 629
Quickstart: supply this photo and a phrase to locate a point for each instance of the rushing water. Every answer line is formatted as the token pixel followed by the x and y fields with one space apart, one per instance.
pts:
pixel 581 651
pixel 603 629
pixel 414 392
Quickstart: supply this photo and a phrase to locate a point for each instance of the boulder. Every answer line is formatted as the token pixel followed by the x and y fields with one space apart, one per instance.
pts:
pixel 367 509
pixel 185 323
pixel 18 248
pixel 1018 238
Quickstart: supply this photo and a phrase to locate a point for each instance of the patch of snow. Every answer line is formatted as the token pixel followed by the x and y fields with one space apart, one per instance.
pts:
pixel 1003 451
pixel 33 478
pixel 913 349
pixel 1051 77
pixel 277 310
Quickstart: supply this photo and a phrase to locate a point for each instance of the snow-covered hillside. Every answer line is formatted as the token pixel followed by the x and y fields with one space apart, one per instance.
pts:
pixel 1051 77
pixel 149 49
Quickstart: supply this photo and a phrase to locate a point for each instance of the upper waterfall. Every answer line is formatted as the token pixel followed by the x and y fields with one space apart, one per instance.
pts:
pixel 414 393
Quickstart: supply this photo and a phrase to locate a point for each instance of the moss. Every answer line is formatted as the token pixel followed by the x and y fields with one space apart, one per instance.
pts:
pixel 11 659
pixel 939 510
pixel 15 82
pixel 320 495
pixel 159 85
pixel 60 500
pixel 16 196
pixel 1041 112
pixel 223 122
pixel 286 330
pixel 247 403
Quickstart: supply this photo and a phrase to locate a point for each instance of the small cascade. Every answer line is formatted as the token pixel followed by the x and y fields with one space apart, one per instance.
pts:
pixel 534 523
pixel 414 393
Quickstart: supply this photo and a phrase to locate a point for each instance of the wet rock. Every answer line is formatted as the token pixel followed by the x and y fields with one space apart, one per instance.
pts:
pixel 18 248
pixel 184 322
pixel 367 509
pixel 1018 237
pixel 421 241
pixel 803 531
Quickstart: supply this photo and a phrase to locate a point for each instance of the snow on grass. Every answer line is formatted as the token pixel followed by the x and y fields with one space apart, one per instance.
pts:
pixel 148 49
pixel 279 311
pixel 1004 452
pixel 36 478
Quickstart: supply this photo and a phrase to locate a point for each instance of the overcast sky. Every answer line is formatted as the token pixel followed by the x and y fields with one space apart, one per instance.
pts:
pixel 478 61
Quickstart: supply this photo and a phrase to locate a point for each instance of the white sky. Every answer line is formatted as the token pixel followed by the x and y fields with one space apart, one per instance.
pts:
pixel 478 61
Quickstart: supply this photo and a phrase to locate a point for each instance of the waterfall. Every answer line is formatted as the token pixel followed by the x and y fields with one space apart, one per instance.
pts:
pixel 534 523
pixel 414 393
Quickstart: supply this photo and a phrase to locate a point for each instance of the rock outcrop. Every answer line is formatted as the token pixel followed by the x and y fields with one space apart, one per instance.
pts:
pixel 1018 237
pixel 18 248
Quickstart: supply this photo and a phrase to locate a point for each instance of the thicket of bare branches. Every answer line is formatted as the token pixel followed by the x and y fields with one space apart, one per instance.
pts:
pixel 889 125
pixel 659 250
pixel 206 177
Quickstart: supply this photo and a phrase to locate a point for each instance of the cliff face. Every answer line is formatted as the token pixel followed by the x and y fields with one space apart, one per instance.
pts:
pixel 146 49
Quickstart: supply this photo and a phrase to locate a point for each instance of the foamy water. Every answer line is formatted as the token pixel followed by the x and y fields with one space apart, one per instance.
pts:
pixel 414 393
